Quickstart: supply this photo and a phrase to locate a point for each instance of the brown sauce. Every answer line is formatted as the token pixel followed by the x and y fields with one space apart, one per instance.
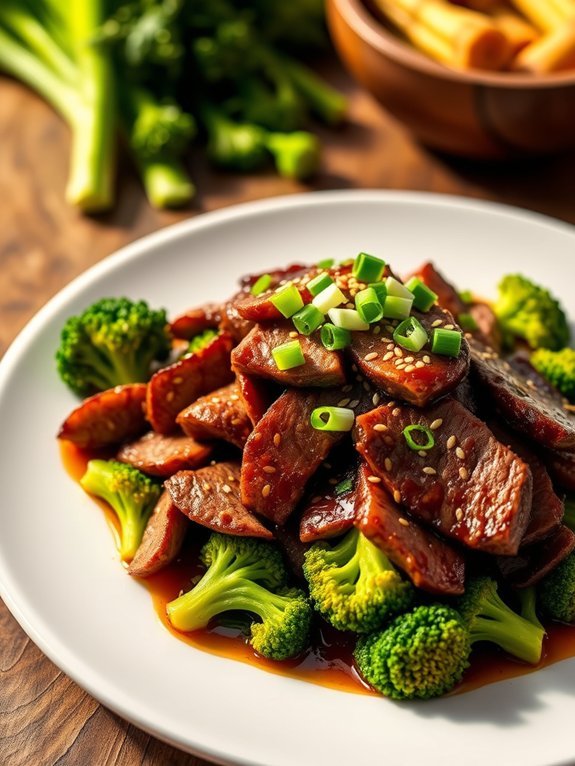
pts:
pixel 328 661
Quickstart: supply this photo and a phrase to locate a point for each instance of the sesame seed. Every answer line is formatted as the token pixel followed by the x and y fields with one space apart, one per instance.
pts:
pixel 436 424
pixel 366 386
pixel 389 441
pixel 410 368
pixel 231 478
pixel 460 453
pixel 408 359
pixel 259 436
pixel 458 514
pixel 390 346
pixel 419 364
pixel 400 366
pixel 437 323
pixel 426 359
pixel 380 427
pixel 354 403
pixel 398 362
pixel 169 396
pixel 269 469
pixel 316 499
pixel 388 356
pixel 346 389
pixel 376 330
pixel 343 402
pixel 375 399
pixel 359 378
pixel 422 453
pixel 353 292
pixel 397 351
pixel 266 489
pixel 354 367
pixel 234 397
pixel 226 488
pixel 277 440
pixel 464 473
pixel 177 380
pixel 388 464
pixel 429 470
pixel 403 522
pixel 216 400
pixel 349 305
pixel 449 326
pixel 391 404
pixel 397 496
pixel 293 334
pixel 374 479
pixel 451 442
pixel 327 465
pixel 371 356
pixel 206 487
pixel 390 328
pixel 396 411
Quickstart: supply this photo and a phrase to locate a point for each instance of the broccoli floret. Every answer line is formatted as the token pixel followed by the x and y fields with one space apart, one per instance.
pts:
pixel 234 145
pixel 557 591
pixel 114 341
pixel 422 654
pixel 558 367
pixel 526 310
pixel 131 494
pixel 201 340
pixel 296 155
pixel 354 585
pixel 247 575
pixel 488 618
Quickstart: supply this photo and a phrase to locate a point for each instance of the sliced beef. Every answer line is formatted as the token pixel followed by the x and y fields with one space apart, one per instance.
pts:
pixel 197 320
pixel 174 387
pixel 283 451
pixel 256 394
pixel 467 396
pixel 417 378
pixel 328 513
pixel 259 308
pixel 447 296
pixel 561 466
pixel 253 356
pixel 219 415
pixel 547 508
pixel 109 417
pixel 211 497
pixel 430 563
pixel 293 548
pixel 536 561
pixel 162 540
pixel 488 329
pixel 468 486
pixel 232 323
pixel 523 398
pixel 163 455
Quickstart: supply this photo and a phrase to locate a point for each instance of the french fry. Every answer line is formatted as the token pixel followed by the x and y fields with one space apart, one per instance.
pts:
pixel 546 15
pixel 519 32
pixel 455 36
pixel 554 52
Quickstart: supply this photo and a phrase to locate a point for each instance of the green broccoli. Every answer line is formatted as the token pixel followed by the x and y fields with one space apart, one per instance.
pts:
pixel 526 310
pixel 557 591
pixel 529 604
pixel 354 585
pixel 296 155
pixel 558 367
pixel 422 654
pixel 569 514
pixel 131 494
pixel 114 341
pixel 201 341
pixel 247 575
pixel 488 618
pixel 234 145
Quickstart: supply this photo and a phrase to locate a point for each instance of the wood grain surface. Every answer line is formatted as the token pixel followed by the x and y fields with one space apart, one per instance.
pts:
pixel 45 719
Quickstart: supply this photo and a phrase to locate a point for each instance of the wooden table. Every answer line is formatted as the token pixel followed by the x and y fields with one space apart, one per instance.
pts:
pixel 44 717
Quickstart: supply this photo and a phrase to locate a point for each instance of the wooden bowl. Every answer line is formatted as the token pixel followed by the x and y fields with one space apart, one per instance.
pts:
pixel 468 113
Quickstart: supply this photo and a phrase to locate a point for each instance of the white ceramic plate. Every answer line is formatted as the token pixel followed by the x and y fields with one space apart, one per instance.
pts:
pixel 61 578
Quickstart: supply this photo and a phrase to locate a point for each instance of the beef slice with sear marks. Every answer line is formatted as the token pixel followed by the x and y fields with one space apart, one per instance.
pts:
pixel 329 512
pixel 535 561
pixel 524 399
pixel 163 455
pixel 211 497
pixel 162 540
pixel 469 486
pixel 417 378
pixel 218 415
pixel 447 296
pixel 561 466
pixel 430 563
pixel 253 356
pixel 259 308
pixel 257 395
pixel 195 321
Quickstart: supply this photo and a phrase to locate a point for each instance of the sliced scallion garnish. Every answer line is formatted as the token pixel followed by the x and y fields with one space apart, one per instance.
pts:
pixel 397 308
pixel 446 342
pixel 334 338
pixel 410 335
pixel 307 320
pixel 349 319
pixel 319 283
pixel 467 322
pixel 395 288
pixel 368 268
pixel 380 289
pixel 429 442
pixel 368 305
pixel 329 298
pixel 332 419
pixel 261 284
pixel 344 486
pixel 287 300
pixel 288 355
pixel 327 263
pixel 423 297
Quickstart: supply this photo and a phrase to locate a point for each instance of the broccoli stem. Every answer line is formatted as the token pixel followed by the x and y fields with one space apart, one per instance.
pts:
pixel 166 182
pixel 296 155
pixel 500 625
pixel 528 599
pixel 326 103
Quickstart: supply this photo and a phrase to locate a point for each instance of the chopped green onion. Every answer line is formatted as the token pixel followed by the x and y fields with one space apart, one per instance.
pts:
pixel 410 335
pixel 332 419
pixel 307 320
pixel 446 342
pixel 327 263
pixel 416 446
pixel 349 319
pixel 344 486
pixel 261 284
pixel 329 298
pixel 397 308
pixel 287 300
pixel 467 296
pixel 467 322
pixel 319 283
pixel 334 338
pixel 395 288
pixel 368 268
pixel 380 289
pixel 368 305
pixel 288 355
pixel 423 297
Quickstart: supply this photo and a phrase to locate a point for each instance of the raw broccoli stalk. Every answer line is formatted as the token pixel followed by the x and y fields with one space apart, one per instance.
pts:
pixel 488 618
pixel 558 367
pixel 422 654
pixel 528 600
pixel 557 591
pixel 113 342
pixel 528 311
pixel 354 585
pixel 250 576
pixel 131 494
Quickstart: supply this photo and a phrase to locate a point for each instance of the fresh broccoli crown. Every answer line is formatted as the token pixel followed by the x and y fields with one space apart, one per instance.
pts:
pixel 201 340
pixel 526 310
pixel 250 576
pixel 239 146
pixel 557 591
pixel 162 129
pixel 297 155
pixel 131 494
pixel 422 654
pixel 354 585
pixel 558 367
pixel 113 342
pixel 490 619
